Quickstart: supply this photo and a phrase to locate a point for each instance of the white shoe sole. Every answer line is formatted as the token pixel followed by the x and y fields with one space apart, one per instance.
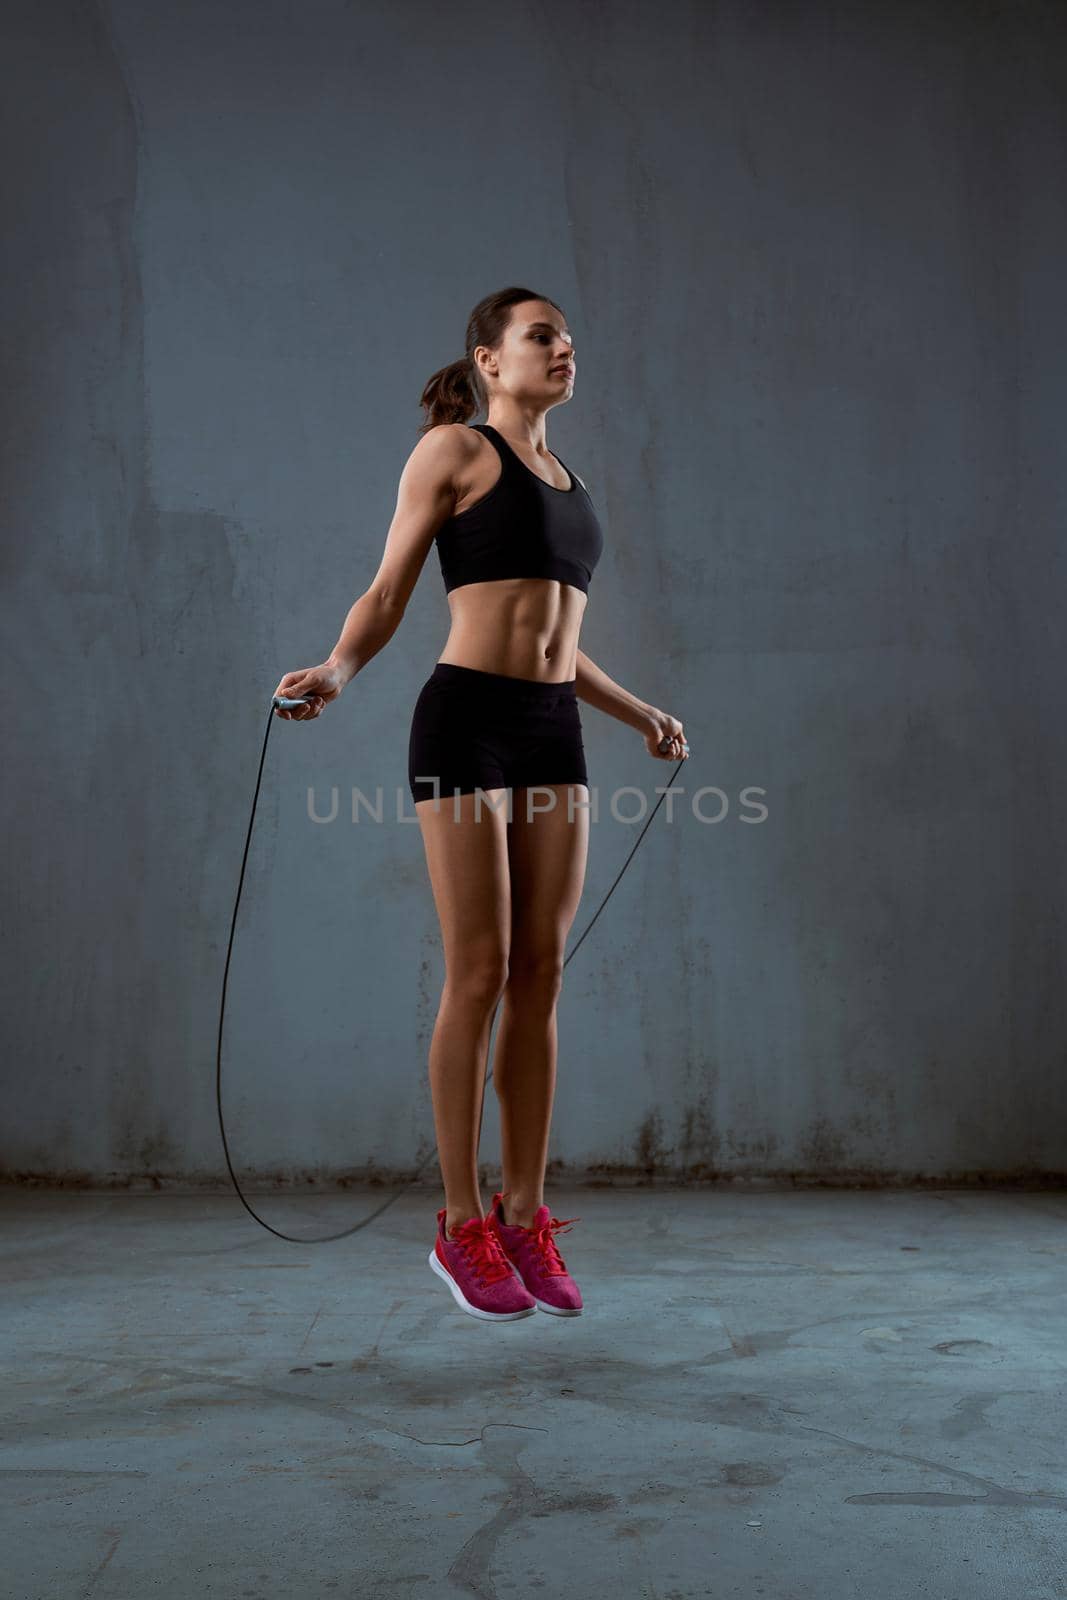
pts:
pixel 475 1311
pixel 558 1311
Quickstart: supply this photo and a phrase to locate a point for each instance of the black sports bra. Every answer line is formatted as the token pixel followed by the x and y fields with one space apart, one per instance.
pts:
pixel 522 528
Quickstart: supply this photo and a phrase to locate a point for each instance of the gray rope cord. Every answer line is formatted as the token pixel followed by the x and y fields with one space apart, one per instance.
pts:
pixel 325 1238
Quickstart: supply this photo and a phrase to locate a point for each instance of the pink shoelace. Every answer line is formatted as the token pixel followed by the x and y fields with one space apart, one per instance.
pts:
pixel 543 1241
pixel 482 1249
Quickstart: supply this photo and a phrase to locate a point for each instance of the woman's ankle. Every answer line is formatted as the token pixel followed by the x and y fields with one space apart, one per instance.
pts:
pixel 519 1213
pixel 457 1217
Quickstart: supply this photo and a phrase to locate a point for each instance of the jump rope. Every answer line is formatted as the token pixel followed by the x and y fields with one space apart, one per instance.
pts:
pixel 288 704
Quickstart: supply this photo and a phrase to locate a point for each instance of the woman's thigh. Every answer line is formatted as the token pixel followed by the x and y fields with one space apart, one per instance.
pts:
pixel 470 877
pixel 547 852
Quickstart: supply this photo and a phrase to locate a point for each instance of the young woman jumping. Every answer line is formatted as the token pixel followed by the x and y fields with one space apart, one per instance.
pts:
pixel 496 769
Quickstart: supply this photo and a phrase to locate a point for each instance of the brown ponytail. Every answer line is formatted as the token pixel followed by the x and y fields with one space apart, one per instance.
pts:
pixel 456 393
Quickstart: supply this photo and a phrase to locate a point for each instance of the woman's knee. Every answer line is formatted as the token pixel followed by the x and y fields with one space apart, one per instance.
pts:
pixel 478 978
pixel 536 973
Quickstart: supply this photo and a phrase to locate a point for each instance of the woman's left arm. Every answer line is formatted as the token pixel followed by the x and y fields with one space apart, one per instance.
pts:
pixel 601 692
pixel 604 694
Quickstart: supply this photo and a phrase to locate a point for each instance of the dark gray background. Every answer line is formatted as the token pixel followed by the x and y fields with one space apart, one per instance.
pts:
pixel 812 256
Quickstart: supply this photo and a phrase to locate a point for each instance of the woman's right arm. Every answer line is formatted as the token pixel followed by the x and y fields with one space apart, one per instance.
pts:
pixel 426 497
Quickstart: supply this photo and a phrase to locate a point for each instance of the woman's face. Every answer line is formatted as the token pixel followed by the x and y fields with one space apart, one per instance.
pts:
pixel 536 341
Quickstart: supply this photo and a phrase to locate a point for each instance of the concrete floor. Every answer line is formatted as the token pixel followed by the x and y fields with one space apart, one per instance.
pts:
pixel 805 1395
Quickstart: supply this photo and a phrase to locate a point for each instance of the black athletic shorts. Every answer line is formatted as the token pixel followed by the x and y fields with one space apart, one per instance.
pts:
pixel 484 730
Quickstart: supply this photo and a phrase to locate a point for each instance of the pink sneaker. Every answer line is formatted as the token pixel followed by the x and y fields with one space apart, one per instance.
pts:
pixel 536 1260
pixel 473 1264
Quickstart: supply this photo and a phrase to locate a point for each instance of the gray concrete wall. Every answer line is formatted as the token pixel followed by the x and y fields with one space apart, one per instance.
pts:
pixel 812 256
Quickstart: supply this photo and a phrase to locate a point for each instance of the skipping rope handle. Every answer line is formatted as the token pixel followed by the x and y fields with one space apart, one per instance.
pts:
pixel 287 704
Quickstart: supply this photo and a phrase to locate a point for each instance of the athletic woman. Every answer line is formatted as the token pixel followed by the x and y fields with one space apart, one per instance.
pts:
pixel 518 540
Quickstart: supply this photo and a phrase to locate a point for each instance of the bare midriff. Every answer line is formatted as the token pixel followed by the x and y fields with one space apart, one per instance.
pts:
pixel 522 627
